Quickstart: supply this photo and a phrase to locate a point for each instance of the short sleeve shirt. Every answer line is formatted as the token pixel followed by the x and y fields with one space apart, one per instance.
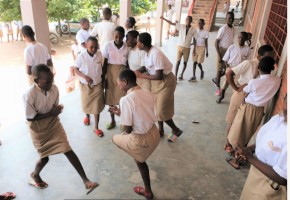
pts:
pixel 82 37
pixel 235 54
pixel 200 37
pixel 226 36
pixel 36 53
pixel 246 71
pixel 136 58
pixel 114 55
pixel 184 40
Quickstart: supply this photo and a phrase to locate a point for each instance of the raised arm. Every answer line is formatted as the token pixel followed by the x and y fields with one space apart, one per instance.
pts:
pixel 171 23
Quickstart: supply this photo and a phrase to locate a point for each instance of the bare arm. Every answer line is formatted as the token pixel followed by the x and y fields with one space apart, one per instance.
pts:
pixel 157 76
pixel 142 69
pixel 230 78
pixel 171 23
pixel 55 111
pixel 194 47
pixel 206 47
pixel 87 78
pixel 217 42
pixel 73 54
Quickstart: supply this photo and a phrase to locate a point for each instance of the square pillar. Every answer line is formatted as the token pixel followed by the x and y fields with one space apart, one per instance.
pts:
pixel 159 22
pixel 178 10
pixel 34 14
pixel 125 11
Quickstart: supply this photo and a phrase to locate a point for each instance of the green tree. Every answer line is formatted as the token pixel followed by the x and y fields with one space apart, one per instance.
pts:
pixel 140 7
pixel 10 10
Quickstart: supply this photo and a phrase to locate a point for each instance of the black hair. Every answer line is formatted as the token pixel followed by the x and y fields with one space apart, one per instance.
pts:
pixel 27 31
pixel 132 21
pixel 231 14
pixel 264 49
pixel 92 39
pixel 120 29
pixel 133 33
pixel 266 64
pixel 145 38
pixel 41 68
pixel 190 17
pixel 245 35
pixel 202 20
pixel 128 75
pixel 107 11
pixel 83 20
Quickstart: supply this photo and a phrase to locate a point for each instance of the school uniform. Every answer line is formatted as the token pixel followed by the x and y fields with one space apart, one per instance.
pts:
pixel 234 55
pixel 1 32
pixel 82 37
pixel 137 110
pixel 169 16
pixel 48 135
pixel 105 32
pixel 136 61
pixel 249 116
pixel 226 36
pixel 246 71
pixel 184 41
pixel 35 53
pixel 92 96
pixel 117 61
pixel 200 37
pixel 163 89
pixel 271 149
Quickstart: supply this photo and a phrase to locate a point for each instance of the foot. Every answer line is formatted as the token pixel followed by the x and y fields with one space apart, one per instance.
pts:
pixel 218 92
pixel 172 137
pixel 229 149
pixel 233 162
pixel 221 97
pixel 192 79
pixel 161 133
pixel 87 121
pixel 180 77
pixel 214 81
pixel 90 186
pixel 8 195
pixel 111 125
pixel 99 132
pixel 201 75
pixel 141 191
pixel 37 182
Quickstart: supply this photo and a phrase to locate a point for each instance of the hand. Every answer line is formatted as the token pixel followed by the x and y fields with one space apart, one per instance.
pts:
pixel 138 74
pixel 221 60
pixel 161 17
pixel 206 54
pixel 239 89
pixel 114 110
pixel 56 110
pixel 243 154
pixel 89 80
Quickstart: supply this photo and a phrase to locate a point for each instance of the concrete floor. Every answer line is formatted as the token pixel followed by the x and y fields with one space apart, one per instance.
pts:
pixel 192 168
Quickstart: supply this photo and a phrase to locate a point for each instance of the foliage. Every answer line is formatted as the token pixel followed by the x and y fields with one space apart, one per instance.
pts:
pixel 60 9
pixel 10 10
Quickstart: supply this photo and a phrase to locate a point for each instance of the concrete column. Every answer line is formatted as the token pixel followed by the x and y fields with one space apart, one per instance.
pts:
pixel 34 14
pixel 125 11
pixel 178 10
pixel 159 22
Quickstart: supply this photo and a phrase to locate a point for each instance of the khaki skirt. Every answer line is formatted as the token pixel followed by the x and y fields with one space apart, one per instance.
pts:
pixel 164 91
pixel 236 100
pixel 144 83
pixel 48 136
pixel 92 97
pixel 113 93
pixel 260 187
pixel 139 146
pixel 245 124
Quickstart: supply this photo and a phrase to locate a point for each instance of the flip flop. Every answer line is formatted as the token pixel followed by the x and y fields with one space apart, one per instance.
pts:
pixel 99 132
pixel 41 185
pixel 92 187
pixel 111 126
pixel 87 121
pixel 141 191
pixel 172 137
pixel 234 165
pixel 8 195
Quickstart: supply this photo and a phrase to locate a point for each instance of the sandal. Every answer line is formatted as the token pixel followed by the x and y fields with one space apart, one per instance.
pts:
pixel 8 195
pixel 111 126
pixel 229 149
pixel 91 186
pixel 141 191
pixel 173 137
pixel 233 162
pixel 192 79
pixel 201 75
pixel 87 121
pixel 99 132
pixel 40 185
pixel 180 77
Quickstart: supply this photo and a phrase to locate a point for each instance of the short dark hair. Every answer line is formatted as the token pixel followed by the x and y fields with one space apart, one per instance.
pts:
pixel 107 11
pixel 245 35
pixel 264 49
pixel 190 17
pixel 202 20
pixel 145 38
pixel 120 29
pixel 133 33
pixel 266 64
pixel 132 21
pixel 41 68
pixel 128 75
pixel 27 31
pixel 83 20
pixel 92 39
pixel 231 14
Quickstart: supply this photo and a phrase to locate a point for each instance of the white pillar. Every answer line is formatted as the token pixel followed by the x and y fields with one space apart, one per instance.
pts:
pixel 178 10
pixel 34 14
pixel 159 22
pixel 125 11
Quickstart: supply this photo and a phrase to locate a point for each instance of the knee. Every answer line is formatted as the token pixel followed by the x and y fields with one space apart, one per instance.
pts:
pixel 44 160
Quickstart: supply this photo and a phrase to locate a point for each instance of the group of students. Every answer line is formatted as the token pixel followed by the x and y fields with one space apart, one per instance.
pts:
pixel 12 30
pixel 135 80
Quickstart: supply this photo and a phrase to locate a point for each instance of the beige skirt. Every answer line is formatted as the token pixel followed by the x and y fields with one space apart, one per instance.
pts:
pixel 164 91
pixel 260 187
pixel 144 83
pixel 113 93
pixel 139 146
pixel 48 136
pixel 245 124
pixel 93 101
pixel 236 100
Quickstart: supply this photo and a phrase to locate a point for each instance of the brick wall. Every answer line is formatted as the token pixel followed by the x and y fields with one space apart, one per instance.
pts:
pixel 275 35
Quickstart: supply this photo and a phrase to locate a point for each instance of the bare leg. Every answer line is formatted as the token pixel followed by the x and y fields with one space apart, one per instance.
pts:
pixel 97 118
pixel 113 118
pixel 176 68
pixel 38 168
pixel 144 171
pixel 161 128
pixel 175 129
pixel 194 68
pixel 184 67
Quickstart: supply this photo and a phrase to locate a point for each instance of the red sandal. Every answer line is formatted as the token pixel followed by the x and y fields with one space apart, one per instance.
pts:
pixel 99 132
pixel 141 191
pixel 8 195
pixel 87 121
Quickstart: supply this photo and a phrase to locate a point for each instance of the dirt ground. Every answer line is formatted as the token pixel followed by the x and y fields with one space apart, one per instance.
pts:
pixel 13 82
